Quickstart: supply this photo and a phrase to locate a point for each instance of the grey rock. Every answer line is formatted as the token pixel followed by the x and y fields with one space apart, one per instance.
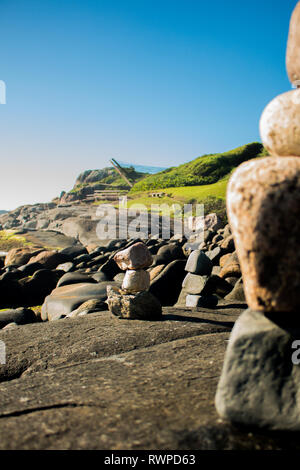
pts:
pixel 81 228
pixel 189 247
pixel 98 260
pixel 181 301
pixel 81 259
pixel 199 263
pixel 20 316
pixel 100 277
pixel 206 285
pixel 194 283
pixel 42 224
pixel 209 222
pixel 65 266
pixel 74 251
pixel 260 384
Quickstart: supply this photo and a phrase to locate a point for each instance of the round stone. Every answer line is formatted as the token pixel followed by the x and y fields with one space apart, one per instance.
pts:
pixel 136 281
pixel 280 125
pixel 136 256
pixel 263 205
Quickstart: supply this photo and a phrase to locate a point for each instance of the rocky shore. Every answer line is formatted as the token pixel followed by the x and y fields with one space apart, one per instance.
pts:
pixel 57 282
pixel 77 375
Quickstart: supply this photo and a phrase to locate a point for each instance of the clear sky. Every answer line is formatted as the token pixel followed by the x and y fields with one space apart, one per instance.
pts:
pixel 153 82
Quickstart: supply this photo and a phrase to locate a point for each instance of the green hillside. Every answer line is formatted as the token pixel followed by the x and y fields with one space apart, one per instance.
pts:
pixel 204 170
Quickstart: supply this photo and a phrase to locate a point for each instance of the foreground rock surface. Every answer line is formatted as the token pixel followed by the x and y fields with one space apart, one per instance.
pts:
pixel 58 389
pixel 98 382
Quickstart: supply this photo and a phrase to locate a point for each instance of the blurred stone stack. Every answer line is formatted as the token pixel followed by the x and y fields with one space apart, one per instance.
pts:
pixel 213 272
pixel 260 381
pixel 133 301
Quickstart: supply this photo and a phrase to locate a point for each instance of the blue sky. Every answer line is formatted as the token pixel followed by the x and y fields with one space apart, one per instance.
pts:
pixel 155 82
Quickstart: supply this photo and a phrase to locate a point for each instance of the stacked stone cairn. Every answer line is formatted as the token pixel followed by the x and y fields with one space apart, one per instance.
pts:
pixel 133 300
pixel 197 281
pixel 260 381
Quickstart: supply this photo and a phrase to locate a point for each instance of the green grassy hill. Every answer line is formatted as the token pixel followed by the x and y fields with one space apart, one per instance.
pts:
pixel 205 170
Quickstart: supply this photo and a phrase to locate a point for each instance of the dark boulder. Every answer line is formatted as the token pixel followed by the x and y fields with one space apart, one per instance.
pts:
pixel 168 253
pixel 20 316
pixel 11 294
pixel 73 251
pixel 65 299
pixel 167 285
pixel 81 259
pixel 30 268
pixel 206 285
pixel 100 277
pixel 110 268
pixel 36 288
pixel 75 278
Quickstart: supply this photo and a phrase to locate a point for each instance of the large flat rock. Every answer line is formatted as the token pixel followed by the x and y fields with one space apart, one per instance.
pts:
pixel 49 239
pixel 99 382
